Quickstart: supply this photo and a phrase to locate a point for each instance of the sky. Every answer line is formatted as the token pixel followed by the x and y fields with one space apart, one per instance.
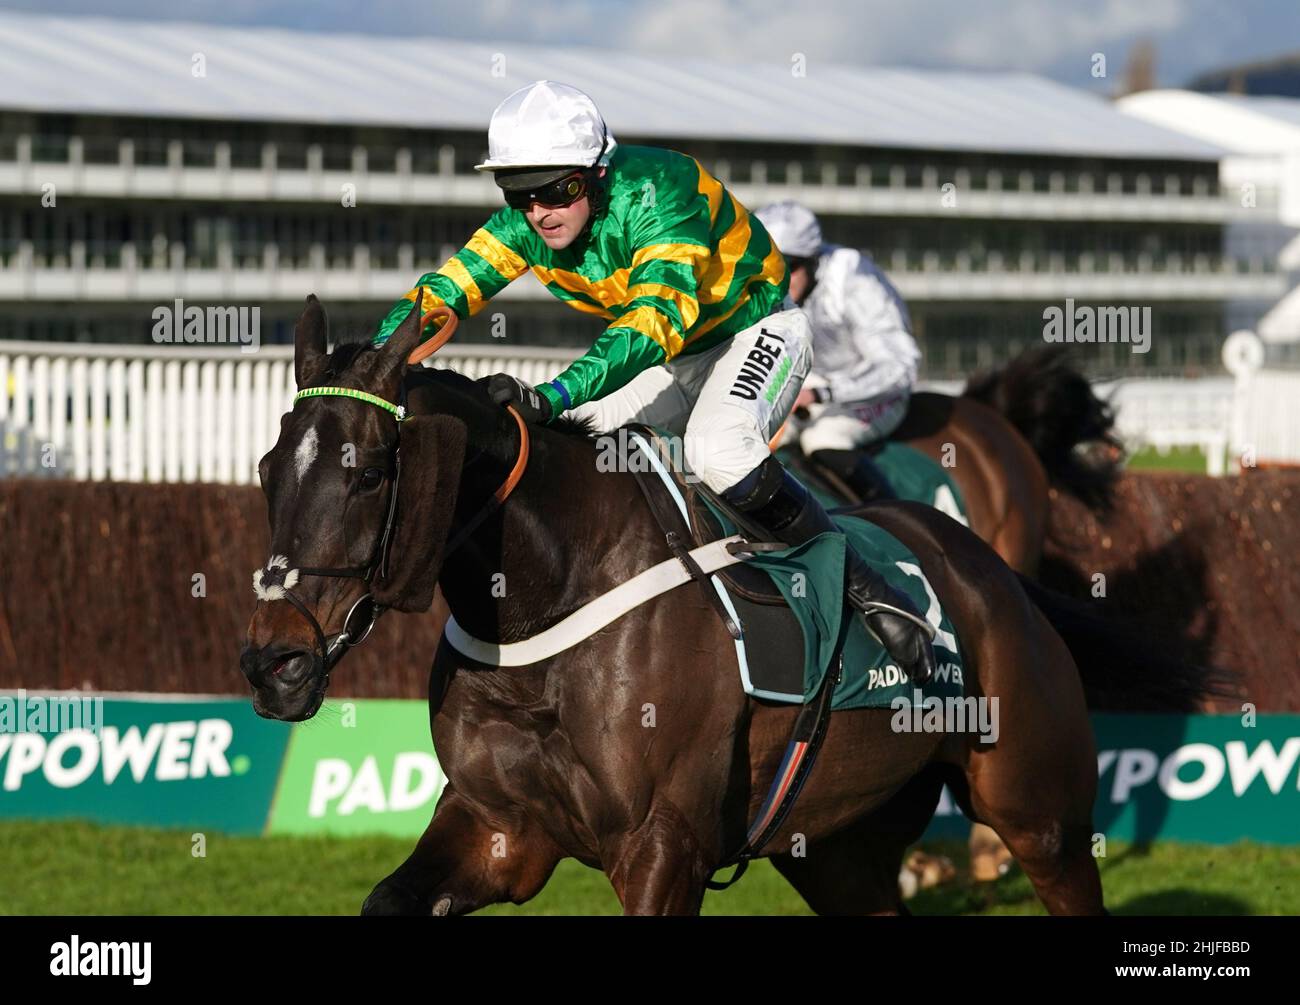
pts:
pixel 1056 38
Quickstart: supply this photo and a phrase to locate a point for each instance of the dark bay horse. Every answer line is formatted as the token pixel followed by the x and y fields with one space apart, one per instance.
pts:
pixel 635 751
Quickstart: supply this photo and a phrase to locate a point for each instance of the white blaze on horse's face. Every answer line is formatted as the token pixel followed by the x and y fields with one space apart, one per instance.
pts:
pixel 304 454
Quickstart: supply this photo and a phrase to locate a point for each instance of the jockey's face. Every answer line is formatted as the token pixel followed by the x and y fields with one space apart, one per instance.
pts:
pixel 800 280
pixel 559 226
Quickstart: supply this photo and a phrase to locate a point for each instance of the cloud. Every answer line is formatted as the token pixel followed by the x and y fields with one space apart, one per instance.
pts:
pixel 1002 34
pixel 1055 37
pixel 1033 35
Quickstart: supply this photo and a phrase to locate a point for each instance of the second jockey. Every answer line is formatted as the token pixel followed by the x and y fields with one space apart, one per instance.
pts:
pixel 865 357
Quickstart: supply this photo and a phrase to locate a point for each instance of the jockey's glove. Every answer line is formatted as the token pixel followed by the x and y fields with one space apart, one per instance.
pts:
pixel 507 390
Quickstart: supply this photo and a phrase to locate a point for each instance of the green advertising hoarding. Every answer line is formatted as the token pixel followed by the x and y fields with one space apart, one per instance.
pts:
pixel 1194 778
pixel 1209 778
pixel 159 761
pixel 367 766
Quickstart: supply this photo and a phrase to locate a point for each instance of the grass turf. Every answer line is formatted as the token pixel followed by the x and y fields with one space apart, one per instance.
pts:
pixel 1190 460
pixel 80 868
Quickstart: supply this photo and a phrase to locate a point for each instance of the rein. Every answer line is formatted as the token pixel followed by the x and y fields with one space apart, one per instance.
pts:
pixel 276 580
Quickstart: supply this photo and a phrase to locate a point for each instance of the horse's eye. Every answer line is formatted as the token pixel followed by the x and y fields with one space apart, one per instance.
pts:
pixel 371 477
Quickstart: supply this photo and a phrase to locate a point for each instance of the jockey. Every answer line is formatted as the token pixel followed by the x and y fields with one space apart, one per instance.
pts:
pixel 866 357
pixel 701 338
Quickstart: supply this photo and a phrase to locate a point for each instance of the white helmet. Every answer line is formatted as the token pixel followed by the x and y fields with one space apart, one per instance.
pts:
pixel 793 227
pixel 547 125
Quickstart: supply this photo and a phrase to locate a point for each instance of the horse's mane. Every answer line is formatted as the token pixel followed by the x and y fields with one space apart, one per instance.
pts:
pixel 345 352
pixel 458 382
pixel 569 426
pixel 1055 408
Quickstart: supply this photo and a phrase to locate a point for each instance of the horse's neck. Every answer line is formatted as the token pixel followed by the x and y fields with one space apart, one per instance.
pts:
pixel 565 534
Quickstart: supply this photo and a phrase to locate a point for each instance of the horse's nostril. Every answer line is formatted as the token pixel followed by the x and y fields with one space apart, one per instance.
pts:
pixel 276 667
pixel 263 666
pixel 250 665
pixel 294 666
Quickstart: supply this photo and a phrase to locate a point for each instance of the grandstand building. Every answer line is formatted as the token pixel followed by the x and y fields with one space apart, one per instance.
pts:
pixel 144 162
pixel 1260 168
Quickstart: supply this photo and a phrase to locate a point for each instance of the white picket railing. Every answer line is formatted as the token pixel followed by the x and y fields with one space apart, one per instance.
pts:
pixel 129 413
pixel 1176 413
pixel 1267 419
pixel 164 414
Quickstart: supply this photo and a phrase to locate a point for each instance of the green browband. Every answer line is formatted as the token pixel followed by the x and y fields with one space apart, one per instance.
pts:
pixel 348 392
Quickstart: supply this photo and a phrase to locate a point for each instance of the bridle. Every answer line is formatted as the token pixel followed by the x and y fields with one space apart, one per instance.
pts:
pixel 276 580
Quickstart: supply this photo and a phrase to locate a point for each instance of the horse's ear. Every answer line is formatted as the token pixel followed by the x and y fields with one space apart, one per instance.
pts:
pixel 391 364
pixel 309 337
pixel 432 455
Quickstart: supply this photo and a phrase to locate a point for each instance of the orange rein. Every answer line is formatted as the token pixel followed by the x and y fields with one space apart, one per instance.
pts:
pixel 775 441
pixel 440 339
pixel 521 462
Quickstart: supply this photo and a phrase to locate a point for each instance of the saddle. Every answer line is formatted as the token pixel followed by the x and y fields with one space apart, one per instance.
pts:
pixel 702 503
pixel 753 607
pixel 699 525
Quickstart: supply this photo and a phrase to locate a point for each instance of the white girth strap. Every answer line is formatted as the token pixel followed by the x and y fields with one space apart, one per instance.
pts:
pixel 592 617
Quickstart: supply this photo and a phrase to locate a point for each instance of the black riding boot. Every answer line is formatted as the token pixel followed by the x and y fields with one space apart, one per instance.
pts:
pixel 858 472
pixel 787 511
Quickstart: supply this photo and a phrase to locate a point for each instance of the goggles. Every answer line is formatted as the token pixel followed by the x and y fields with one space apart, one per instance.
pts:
pixel 556 195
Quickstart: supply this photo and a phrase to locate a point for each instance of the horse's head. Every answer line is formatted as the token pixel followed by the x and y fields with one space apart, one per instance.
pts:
pixel 360 499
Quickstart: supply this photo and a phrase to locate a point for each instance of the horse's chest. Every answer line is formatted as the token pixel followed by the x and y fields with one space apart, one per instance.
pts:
pixel 514 759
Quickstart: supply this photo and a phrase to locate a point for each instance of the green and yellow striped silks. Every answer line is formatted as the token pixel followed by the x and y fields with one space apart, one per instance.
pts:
pixel 675 265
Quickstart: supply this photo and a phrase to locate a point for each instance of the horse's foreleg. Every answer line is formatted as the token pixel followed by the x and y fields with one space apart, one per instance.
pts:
pixel 462 862
pixel 659 868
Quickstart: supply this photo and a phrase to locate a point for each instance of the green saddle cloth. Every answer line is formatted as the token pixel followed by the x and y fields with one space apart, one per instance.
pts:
pixel 912 475
pixel 811 578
